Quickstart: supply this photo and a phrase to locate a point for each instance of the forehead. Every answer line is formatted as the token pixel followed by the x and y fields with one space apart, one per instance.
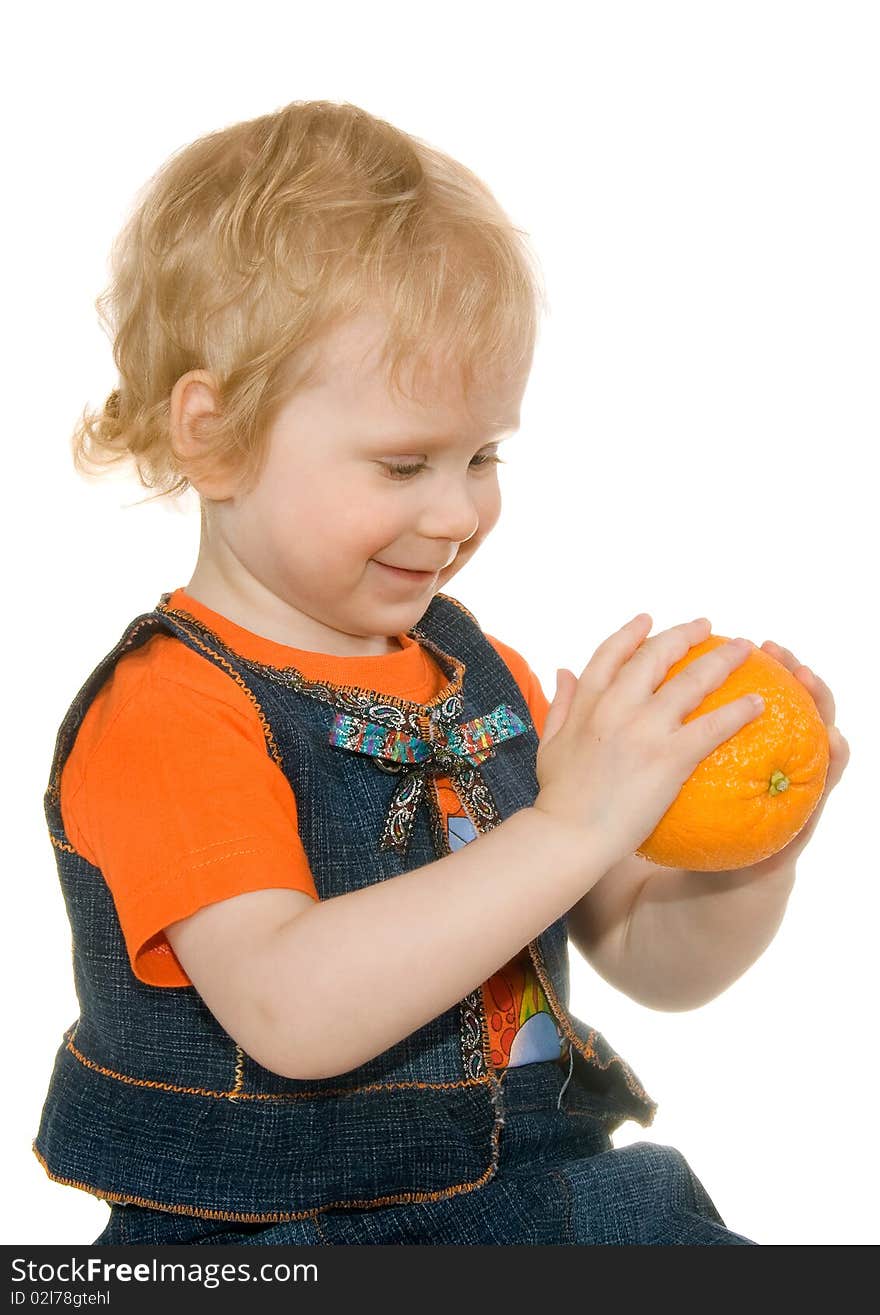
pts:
pixel 352 373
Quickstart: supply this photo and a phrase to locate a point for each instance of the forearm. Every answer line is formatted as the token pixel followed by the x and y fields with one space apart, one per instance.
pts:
pixel 690 935
pixel 353 975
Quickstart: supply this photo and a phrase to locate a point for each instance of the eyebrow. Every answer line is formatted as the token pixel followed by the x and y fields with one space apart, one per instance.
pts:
pixel 430 441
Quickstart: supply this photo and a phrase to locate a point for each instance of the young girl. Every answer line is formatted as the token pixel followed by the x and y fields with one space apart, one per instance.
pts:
pixel 322 840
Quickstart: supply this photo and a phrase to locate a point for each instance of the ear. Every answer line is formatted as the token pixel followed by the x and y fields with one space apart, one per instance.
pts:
pixel 195 400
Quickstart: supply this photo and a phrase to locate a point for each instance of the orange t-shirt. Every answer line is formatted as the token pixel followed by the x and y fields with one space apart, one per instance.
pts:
pixel 168 789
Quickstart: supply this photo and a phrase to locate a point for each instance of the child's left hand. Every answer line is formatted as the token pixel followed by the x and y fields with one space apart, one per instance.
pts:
pixel 823 698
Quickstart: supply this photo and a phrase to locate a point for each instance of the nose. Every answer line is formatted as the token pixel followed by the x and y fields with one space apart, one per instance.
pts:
pixel 450 511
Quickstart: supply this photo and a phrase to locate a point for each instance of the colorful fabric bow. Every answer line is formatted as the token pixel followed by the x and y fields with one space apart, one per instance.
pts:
pixel 450 754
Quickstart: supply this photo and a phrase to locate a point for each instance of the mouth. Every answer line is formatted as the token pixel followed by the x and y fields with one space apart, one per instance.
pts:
pixel 402 573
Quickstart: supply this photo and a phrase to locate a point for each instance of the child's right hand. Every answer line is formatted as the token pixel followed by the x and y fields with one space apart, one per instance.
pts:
pixel 614 753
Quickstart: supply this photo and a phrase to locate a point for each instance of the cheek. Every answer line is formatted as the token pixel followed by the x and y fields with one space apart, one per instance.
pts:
pixel 321 505
pixel 360 524
pixel 490 510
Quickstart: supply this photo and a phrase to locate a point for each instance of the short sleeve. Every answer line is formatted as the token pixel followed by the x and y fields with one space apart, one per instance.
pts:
pixel 180 805
pixel 536 700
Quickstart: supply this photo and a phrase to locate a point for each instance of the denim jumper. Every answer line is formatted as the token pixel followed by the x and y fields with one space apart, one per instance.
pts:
pixel 154 1108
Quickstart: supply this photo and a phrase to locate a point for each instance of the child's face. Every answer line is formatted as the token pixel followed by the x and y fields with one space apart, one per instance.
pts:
pixel 305 554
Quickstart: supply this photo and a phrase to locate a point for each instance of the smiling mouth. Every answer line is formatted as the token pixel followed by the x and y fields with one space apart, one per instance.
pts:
pixel 404 573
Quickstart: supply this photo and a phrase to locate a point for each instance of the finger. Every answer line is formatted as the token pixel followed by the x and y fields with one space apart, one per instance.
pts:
pixel 557 713
pixel 611 654
pixel 652 661
pixel 703 734
pixel 604 666
pixel 822 695
pixel 687 690
pixel 839 746
pixel 785 656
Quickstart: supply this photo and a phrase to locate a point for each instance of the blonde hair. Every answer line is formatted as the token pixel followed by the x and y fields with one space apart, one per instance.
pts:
pixel 250 244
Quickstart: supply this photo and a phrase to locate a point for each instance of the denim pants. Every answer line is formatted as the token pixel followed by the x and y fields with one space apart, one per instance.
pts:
pixel 560 1181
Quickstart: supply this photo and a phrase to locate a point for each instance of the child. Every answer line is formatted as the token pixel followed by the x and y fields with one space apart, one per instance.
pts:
pixel 311 1010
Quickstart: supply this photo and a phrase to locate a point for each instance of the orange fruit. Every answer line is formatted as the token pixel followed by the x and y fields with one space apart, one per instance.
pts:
pixel 753 793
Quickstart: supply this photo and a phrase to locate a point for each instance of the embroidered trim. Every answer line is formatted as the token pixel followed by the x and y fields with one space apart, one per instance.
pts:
pixel 477 800
pixel 354 699
pixel 446 752
pixel 468 783
pixel 436 818
pixel 400 715
pixel 400 735
pixel 474 1040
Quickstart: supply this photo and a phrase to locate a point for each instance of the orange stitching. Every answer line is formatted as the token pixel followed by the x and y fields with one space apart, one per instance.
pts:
pixel 59 844
pixel 235 1094
pixel 586 1048
pixel 239 1074
pixel 484 1032
pixel 194 867
pixel 213 844
pixel 196 1211
pixel 269 1095
pixel 401 1198
pixel 267 730
pixel 53 790
pixel 460 606
pixel 451 687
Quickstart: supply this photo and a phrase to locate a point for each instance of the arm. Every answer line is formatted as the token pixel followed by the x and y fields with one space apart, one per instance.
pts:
pixel 673 939
pixel 312 989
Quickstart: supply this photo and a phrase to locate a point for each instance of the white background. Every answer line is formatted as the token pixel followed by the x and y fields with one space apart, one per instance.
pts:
pixel 700 183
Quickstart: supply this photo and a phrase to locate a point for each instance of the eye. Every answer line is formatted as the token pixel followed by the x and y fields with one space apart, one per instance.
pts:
pixel 401 472
pixel 481 460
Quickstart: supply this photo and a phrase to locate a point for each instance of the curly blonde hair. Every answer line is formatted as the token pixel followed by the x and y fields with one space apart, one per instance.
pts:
pixel 250 244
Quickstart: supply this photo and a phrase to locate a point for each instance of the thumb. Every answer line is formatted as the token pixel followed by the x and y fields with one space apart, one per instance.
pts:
pixel 566 684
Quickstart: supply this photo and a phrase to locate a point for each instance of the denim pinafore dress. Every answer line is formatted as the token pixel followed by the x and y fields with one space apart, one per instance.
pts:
pixel 154 1108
